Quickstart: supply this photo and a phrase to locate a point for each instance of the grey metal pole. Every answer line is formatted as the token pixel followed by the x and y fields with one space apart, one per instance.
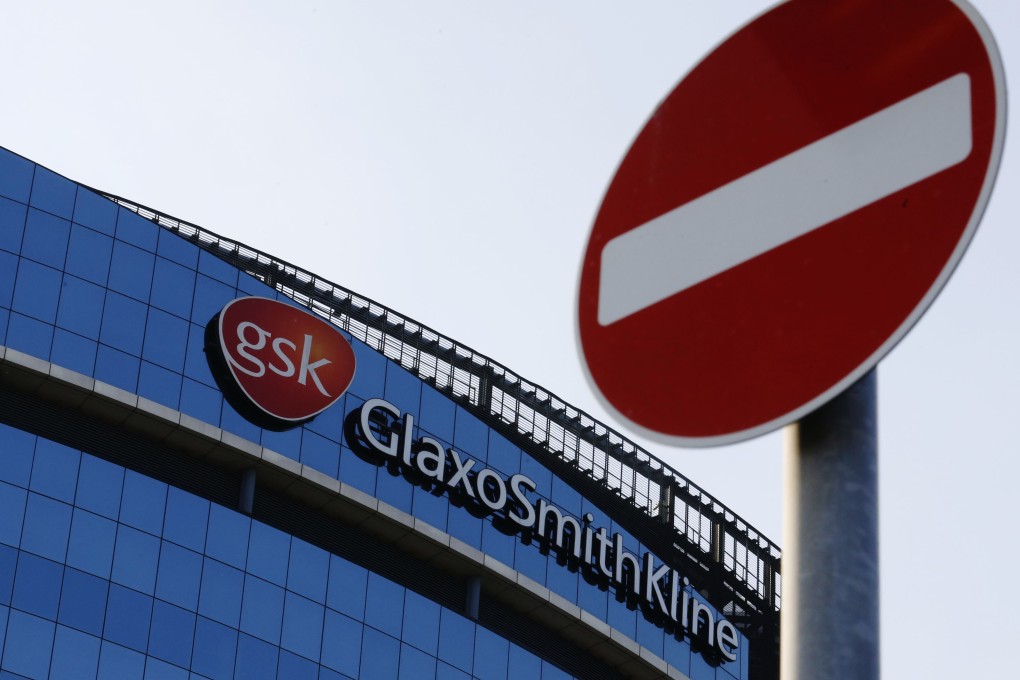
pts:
pixel 829 619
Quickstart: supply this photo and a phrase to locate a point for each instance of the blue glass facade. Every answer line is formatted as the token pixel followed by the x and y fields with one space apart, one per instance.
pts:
pixel 107 572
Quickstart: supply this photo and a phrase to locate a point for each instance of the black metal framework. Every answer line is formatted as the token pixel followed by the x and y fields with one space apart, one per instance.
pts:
pixel 735 566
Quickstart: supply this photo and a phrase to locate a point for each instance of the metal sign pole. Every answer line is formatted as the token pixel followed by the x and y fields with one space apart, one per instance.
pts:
pixel 829 617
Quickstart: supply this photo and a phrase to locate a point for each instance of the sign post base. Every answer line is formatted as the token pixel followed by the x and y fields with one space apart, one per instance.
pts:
pixel 830 616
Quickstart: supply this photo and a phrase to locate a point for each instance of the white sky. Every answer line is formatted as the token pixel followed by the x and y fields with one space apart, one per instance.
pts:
pixel 446 159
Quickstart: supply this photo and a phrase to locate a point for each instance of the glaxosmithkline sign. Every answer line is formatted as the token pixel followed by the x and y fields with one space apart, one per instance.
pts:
pixel 381 428
pixel 277 365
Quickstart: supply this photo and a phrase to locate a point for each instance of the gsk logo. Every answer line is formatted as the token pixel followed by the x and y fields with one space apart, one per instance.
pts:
pixel 277 365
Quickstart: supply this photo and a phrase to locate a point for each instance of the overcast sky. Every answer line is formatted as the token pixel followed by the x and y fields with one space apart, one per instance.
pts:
pixel 447 159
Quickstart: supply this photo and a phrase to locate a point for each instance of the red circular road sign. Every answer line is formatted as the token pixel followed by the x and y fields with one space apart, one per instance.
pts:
pixel 788 213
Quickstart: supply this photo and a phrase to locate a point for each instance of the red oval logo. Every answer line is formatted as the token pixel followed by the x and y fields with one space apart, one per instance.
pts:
pixel 277 365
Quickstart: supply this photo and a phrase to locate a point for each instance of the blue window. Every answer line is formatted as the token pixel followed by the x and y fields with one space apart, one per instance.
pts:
pixel 592 599
pixel 231 421
pixel 94 211
pixel 210 297
pixel 15 176
pixel 143 502
pixel 677 654
pixel 393 489
pixel 384 607
pixel 173 287
pixel 294 667
pixel 29 336
pixel 268 549
pixel 88 255
pixel 523 664
pixel 445 671
pixel 166 340
pixel 465 526
pixel 123 324
pixel 8 271
pixel 201 402
pixel 127 618
pixel 403 389
pixel 8 564
pixel 117 663
pixel 12 225
pixel 52 193
pixel 503 455
pixel 47 526
pixel 262 609
pixel 74 352
pixel 538 474
pixel 370 378
pixel 561 580
pixel 196 366
pixel 45 238
pixel 83 601
pixel 37 586
pixel 91 543
pixel 136 230
pixel 622 618
pixel 550 672
pixel 341 643
pixel 186 518
pixel 135 559
pixel 173 247
pixel 220 598
pixel 117 368
pixel 160 670
pixel 649 636
pixel 256 660
pixel 12 513
pixel 454 632
pixel 430 508
pixel 215 647
pixel 302 626
pixel 309 569
pixel 214 267
pixel 228 536
pixel 492 653
pixel 566 497
pixel 437 413
pixel 131 271
pixel 289 443
pixel 36 291
pixel 470 435
pixel 380 655
pixel 179 576
pixel 498 544
pixel 347 586
pixel 320 454
pixel 357 472
pixel 99 486
pixel 29 645
pixel 18 452
pixel 75 655
pixel 159 385
pixel 55 472
pixel 424 613
pixel 172 634
pixel 415 664
pixel 329 423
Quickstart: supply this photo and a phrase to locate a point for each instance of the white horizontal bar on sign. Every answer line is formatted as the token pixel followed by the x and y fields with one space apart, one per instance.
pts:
pixel 807 189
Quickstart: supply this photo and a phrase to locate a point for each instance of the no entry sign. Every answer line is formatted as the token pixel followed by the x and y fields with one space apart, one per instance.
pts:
pixel 788 213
